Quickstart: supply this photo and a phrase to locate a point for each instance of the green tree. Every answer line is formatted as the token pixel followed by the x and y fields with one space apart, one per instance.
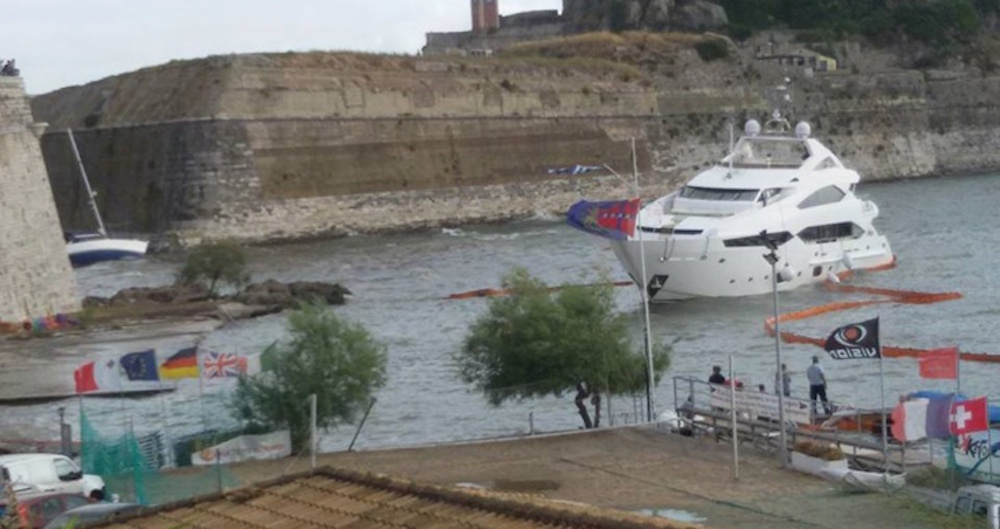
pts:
pixel 539 341
pixel 215 262
pixel 338 361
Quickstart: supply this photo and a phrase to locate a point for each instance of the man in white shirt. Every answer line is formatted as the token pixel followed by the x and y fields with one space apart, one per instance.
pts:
pixel 817 386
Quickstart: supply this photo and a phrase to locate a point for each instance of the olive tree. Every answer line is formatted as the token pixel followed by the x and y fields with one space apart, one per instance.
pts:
pixel 338 361
pixel 542 341
pixel 213 263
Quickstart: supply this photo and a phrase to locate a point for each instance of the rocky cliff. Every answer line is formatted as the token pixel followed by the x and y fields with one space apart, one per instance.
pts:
pixel 264 147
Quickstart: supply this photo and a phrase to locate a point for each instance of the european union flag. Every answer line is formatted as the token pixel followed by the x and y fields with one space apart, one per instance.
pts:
pixel 140 365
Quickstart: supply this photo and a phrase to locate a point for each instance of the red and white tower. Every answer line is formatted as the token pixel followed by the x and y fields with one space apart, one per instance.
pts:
pixel 485 15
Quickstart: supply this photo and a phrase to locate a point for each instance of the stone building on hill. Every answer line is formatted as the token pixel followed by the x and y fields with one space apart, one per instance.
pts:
pixel 493 32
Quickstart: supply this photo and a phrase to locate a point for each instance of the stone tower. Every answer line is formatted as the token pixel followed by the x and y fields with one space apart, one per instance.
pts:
pixel 485 15
pixel 35 275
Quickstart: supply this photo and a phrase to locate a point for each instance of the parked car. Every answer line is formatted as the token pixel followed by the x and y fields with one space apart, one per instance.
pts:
pixel 36 510
pixel 979 500
pixel 34 473
pixel 92 513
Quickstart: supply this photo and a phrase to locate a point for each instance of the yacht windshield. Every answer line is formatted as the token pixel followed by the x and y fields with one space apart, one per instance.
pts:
pixel 708 193
pixel 770 152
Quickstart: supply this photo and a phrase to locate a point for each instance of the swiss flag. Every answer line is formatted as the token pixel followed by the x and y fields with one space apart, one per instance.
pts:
pixel 970 416
pixel 940 363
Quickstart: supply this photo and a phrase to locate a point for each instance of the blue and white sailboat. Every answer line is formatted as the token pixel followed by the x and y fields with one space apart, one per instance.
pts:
pixel 93 247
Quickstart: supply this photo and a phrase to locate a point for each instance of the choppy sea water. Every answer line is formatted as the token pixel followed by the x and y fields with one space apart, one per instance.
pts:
pixel 941 231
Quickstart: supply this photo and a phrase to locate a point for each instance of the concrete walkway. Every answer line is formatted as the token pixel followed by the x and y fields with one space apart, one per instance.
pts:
pixel 637 468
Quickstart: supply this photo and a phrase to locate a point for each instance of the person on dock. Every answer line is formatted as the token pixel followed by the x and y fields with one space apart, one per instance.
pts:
pixel 817 386
pixel 783 381
pixel 717 377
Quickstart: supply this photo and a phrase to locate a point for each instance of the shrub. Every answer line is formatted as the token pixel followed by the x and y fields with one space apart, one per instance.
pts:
pixel 712 49
pixel 213 263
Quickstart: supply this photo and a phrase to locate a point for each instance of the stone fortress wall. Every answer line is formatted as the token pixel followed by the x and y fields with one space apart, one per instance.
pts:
pixel 267 147
pixel 35 275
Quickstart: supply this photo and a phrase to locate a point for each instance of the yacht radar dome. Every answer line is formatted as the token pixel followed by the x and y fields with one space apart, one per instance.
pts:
pixel 802 130
pixel 752 128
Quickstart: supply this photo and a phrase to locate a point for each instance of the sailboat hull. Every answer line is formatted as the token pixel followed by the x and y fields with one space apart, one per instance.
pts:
pixel 88 252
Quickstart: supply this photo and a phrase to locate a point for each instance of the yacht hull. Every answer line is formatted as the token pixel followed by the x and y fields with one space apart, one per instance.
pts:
pixel 680 268
pixel 88 252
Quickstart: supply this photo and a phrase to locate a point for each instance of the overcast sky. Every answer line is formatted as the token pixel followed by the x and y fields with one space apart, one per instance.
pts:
pixel 61 43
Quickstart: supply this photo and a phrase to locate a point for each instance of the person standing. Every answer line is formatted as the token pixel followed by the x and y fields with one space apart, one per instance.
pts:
pixel 783 381
pixel 716 377
pixel 817 385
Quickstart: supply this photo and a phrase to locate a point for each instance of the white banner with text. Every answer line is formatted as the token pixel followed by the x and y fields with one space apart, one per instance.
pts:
pixel 272 445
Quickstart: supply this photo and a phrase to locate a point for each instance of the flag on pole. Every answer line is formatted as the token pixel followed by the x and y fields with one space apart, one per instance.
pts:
pixel 918 418
pixel 612 219
pixel 855 340
pixel 183 364
pixel 939 364
pixel 223 365
pixel 101 375
pixel 140 365
pixel 970 416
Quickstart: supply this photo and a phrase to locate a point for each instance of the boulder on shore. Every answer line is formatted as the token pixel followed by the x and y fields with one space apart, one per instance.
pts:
pixel 269 293
pixel 272 292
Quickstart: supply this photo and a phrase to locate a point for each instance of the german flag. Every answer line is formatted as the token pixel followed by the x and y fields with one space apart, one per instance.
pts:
pixel 184 364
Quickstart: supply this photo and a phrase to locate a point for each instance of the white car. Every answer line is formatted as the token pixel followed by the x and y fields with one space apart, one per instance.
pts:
pixel 32 473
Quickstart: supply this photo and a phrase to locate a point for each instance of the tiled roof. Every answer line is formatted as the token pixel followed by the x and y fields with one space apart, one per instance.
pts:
pixel 330 497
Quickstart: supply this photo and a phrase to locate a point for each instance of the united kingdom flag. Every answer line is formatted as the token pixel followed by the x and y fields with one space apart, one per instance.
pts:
pixel 223 365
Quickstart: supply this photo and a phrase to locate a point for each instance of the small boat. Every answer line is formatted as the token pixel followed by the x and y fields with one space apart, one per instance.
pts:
pixel 89 248
pixel 93 247
pixel 778 190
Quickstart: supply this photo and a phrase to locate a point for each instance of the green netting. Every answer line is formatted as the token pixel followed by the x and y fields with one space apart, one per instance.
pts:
pixel 134 477
pixel 113 458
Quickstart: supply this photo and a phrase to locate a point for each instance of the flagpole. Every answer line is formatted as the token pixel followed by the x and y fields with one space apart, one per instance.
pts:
pixel 989 438
pixel 885 434
pixel 650 406
pixel 166 424
pixel 958 371
pixel 201 388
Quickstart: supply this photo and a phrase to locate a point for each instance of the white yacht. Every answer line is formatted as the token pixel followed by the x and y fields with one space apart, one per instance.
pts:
pixel 776 187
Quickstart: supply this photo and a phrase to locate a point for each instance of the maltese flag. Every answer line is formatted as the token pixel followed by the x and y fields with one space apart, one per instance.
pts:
pixel 970 416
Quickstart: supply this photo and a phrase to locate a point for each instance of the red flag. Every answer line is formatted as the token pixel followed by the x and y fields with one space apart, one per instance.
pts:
pixel 970 416
pixel 939 363
pixel 84 378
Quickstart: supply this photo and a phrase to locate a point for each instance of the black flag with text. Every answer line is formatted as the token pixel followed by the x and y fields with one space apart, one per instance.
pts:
pixel 856 340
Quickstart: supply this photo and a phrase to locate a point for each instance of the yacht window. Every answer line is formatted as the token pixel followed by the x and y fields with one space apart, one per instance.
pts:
pixel 768 194
pixel 826 195
pixel 707 193
pixel 769 152
pixel 831 232
pixel 756 240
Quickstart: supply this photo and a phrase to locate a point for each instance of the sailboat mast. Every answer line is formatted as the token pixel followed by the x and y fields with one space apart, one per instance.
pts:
pixel 86 184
